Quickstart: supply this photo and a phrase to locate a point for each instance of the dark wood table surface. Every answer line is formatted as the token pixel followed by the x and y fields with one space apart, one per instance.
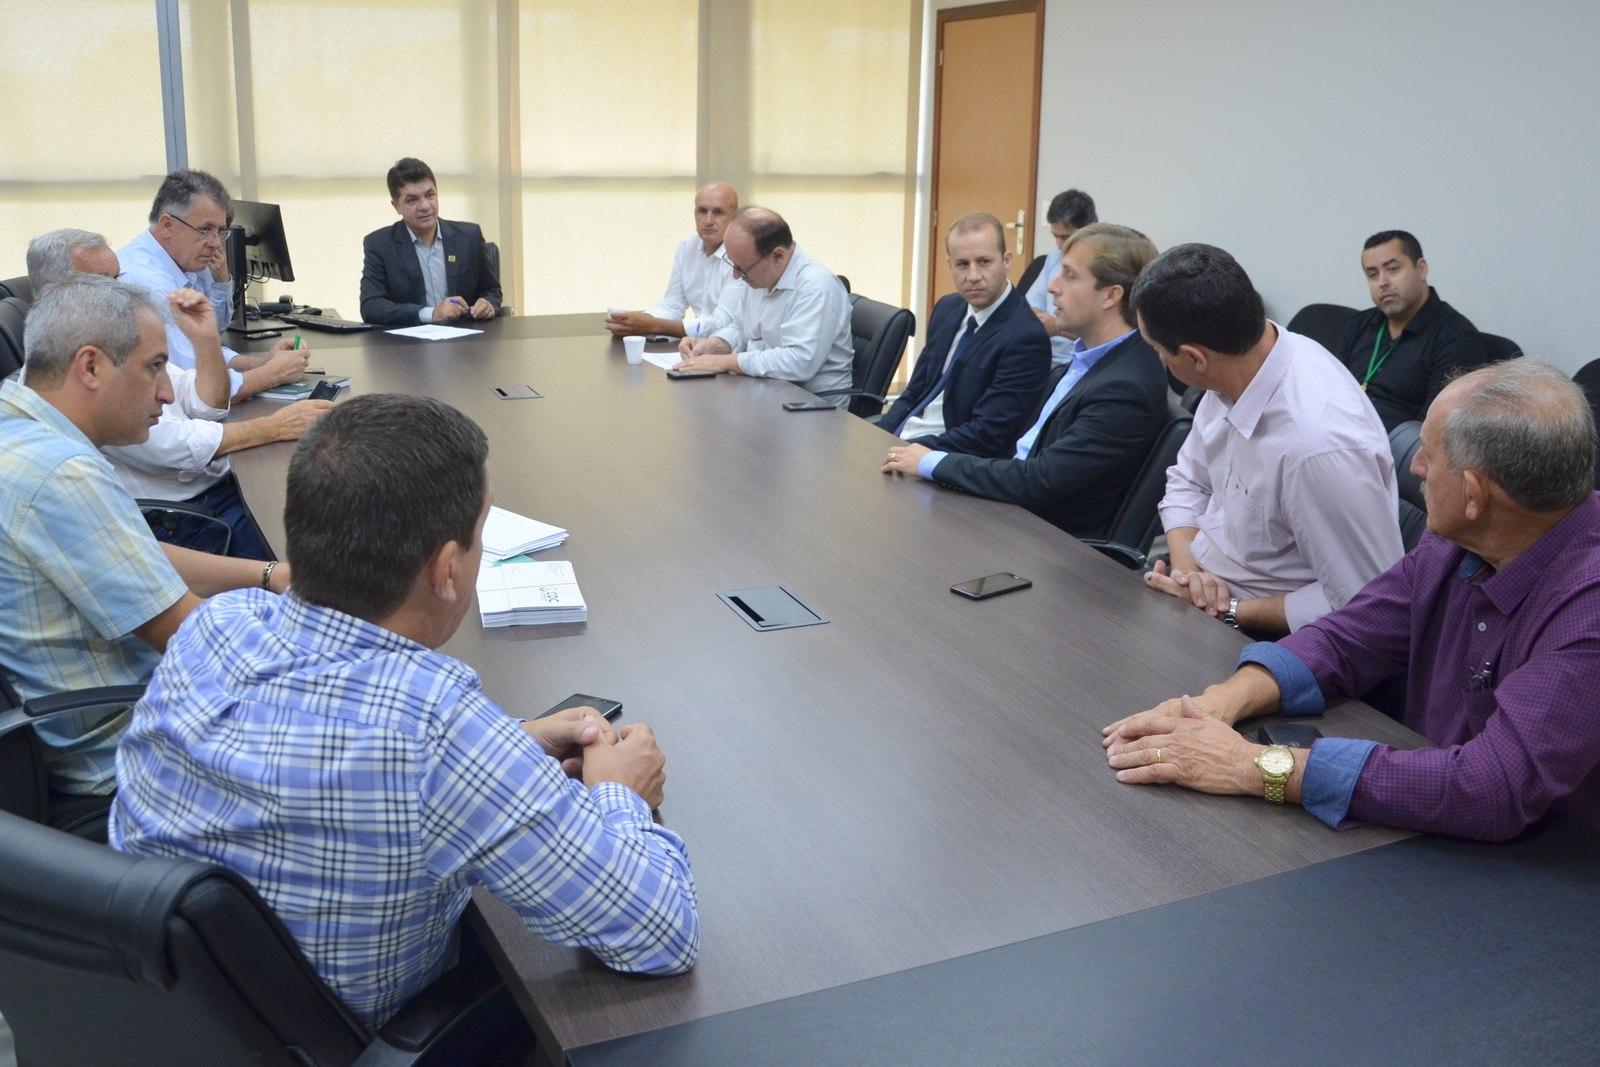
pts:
pixel 916 781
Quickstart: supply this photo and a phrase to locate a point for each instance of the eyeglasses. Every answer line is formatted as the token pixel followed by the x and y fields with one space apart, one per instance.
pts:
pixel 744 272
pixel 206 232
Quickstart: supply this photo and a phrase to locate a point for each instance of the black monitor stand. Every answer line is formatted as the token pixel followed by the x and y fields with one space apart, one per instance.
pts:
pixel 241 324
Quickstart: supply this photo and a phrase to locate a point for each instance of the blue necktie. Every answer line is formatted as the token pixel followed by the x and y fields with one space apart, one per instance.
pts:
pixel 938 386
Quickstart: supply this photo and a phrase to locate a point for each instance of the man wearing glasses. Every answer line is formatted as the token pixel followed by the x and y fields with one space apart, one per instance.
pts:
pixel 794 322
pixel 185 458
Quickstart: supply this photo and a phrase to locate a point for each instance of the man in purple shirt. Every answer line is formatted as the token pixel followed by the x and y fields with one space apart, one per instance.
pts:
pixel 1495 615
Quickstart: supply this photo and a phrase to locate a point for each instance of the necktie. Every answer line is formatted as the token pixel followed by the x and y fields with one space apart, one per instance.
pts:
pixel 938 386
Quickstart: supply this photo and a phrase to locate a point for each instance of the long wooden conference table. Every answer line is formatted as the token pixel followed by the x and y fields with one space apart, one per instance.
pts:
pixel 907 844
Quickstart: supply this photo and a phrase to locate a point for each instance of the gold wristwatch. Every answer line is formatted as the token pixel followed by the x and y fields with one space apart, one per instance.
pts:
pixel 1276 763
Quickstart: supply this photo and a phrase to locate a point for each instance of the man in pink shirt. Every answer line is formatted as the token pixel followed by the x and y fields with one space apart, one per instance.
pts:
pixel 1282 503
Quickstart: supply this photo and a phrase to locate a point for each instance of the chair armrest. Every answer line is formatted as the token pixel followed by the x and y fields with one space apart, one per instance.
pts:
pixel 178 506
pixel 853 392
pixel 1126 555
pixel 464 996
pixel 46 707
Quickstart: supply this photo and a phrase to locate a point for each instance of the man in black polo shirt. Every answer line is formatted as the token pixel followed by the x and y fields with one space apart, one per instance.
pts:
pixel 1406 348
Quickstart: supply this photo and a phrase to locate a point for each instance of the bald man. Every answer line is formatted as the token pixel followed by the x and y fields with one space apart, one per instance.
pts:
pixel 702 277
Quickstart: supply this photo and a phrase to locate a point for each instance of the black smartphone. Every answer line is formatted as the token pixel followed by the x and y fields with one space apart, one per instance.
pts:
pixel 324 390
pixel 609 708
pixel 680 375
pixel 990 585
pixel 1292 734
pixel 808 405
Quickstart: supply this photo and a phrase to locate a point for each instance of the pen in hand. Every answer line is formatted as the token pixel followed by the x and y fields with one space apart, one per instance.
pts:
pixel 296 342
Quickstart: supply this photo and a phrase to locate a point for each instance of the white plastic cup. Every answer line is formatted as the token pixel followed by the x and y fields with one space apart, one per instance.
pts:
pixel 634 346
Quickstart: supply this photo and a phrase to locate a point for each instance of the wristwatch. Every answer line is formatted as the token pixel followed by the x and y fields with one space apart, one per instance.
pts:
pixel 1276 763
pixel 1231 617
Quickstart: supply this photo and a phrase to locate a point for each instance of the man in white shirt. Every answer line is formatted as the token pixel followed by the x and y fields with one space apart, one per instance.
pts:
pixel 793 323
pixel 1282 503
pixel 1068 213
pixel 702 277
pixel 184 459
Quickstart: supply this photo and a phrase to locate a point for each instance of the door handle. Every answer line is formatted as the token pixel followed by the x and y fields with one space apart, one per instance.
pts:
pixel 1021 226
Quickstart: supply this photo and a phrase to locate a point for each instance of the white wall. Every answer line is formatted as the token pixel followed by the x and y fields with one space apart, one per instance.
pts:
pixel 1289 131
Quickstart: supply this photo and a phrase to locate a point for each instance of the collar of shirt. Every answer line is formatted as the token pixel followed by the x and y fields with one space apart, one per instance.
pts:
pixel 984 315
pixel 146 248
pixel 791 274
pixel 1085 358
pixel 438 236
pixel 721 252
pixel 1244 413
pixel 1507 589
pixel 1419 322
pixel 329 630
pixel 19 400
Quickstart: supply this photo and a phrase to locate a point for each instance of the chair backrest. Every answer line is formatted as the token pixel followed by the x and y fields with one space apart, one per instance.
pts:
pixel 1137 522
pixel 1413 522
pixel 843 281
pixel 12 313
pixel 23 789
pixel 18 287
pixel 1404 442
pixel 1031 273
pixel 1588 379
pixel 880 332
pixel 110 958
pixel 1323 323
pixel 1498 348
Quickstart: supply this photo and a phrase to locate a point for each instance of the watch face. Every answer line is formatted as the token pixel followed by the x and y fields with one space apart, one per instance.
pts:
pixel 1277 760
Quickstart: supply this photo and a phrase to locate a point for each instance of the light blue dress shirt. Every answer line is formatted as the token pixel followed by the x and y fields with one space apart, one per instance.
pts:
pixel 1038 298
pixel 145 263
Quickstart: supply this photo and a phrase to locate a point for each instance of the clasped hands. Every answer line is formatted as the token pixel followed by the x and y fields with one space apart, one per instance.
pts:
pixel 1205 590
pixel 590 749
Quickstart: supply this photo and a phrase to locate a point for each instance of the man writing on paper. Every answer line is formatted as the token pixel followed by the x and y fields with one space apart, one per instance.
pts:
pixel 702 277
pixel 87 596
pixel 308 741
pixel 794 320
pixel 424 268
pixel 986 359
pixel 1492 617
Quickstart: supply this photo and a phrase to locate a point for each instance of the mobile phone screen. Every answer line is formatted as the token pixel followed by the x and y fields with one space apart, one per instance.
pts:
pixel 990 585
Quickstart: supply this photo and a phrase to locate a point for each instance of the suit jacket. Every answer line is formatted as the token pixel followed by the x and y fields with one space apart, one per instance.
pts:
pixel 1088 452
pixel 391 278
pixel 992 390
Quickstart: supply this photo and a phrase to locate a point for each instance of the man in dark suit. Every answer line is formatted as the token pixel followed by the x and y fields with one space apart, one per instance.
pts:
pixel 1104 409
pixel 424 268
pixel 986 359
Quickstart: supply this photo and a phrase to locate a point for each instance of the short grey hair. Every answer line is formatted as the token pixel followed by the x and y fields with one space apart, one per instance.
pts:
pixel 179 189
pixel 50 255
pixel 79 310
pixel 1528 428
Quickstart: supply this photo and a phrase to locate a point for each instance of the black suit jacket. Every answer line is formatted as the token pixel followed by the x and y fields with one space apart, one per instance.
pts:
pixel 994 387
pixel 1089 450
pixel 392 292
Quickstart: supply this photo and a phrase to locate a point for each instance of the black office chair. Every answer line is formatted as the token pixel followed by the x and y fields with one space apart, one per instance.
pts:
pixel 843 281
pixel 20 288
pixel 12 313
pixel 1404 442
pixel 1498 348
pixel 1031 273
pixel 880 332
pixel 111 958
pixel 494 262
pixel 164 517
pixel 24 784
pixel 1137 522
pixel 1323 323
pixel 1588 379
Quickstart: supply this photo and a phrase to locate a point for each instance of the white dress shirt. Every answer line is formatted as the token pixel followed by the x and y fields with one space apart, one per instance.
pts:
pixel 700 281
pixel 179 460
pixel 1292 486
pixel 799 330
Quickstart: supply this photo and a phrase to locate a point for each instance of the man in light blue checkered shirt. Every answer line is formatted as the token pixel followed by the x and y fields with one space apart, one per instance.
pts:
pixel 320 746
pixel 87 597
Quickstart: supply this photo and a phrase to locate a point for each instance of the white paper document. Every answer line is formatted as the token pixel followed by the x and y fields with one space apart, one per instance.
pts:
pixel 432 331
pixel 505 533
pixel 529 593
pixel 664 360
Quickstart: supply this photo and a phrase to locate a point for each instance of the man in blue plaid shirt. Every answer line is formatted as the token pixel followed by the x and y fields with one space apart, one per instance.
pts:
pixel 318 745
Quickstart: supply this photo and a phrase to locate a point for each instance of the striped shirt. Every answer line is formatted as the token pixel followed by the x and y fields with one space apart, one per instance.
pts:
pixel 79 572
pixel 364 784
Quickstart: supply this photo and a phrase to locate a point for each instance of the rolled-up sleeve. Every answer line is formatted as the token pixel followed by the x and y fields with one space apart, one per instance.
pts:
pixel 177 447
pixel 186 398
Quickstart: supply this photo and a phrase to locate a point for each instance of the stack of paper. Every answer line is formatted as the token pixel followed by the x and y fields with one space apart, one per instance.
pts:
pixel 529 592
pixel 507 534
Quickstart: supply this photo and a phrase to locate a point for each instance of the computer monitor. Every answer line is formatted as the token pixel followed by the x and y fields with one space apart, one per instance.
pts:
pixel 257 251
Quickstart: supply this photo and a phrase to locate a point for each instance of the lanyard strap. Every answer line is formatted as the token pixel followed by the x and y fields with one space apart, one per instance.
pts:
pixel 1375 362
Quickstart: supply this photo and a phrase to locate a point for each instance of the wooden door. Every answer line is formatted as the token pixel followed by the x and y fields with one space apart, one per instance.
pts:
pixel 986 126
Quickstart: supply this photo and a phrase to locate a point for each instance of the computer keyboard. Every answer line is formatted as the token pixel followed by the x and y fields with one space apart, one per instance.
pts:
pixel 324 322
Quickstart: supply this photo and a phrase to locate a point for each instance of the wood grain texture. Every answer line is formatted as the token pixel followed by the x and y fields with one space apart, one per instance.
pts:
pixel 919 779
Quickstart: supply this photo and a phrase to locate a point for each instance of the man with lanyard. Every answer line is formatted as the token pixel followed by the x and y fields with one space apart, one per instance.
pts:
pixel 1411 343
